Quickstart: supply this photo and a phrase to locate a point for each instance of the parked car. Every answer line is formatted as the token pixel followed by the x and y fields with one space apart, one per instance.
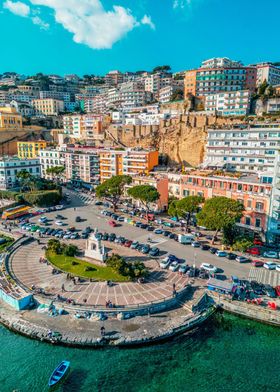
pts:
pixel 254 251
pixel 174 266
pixel 173 258
pixel 112 223
pixel 112 237
pixel 184 268
pixel 278 267
pixel 242 259
pixel 164 263
pixel 271 254
pixel 257 263
pixel 277 290
pixel 166 233
pixel 128 243
pixel 145 249
pixel 269 291
pixel 221 253
pixel 270 265
pixel 98 203
pixel 213 250
pixel 231 256
pixel 205 247
pixel 196 244
pixel 257 241
pixel 143 226
pixel 105 236
pixel 134 244
pixel 209 267
pixel 154 252
pixel 150 228
pixel 158 231
pixel 58 223
pixel 120 218
pixel 258 288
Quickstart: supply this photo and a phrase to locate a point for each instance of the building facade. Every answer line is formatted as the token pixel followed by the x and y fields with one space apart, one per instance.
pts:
pixel 10 119
pixel 245 149
pixel 48 107
pixel 82 168
pixel 50 158
pixel 11 166
pixel 269 73
pixel 235 103
pixel 30 149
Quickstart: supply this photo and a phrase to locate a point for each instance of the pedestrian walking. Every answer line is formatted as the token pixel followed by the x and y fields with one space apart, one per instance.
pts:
pixel 62 287
pixel 102 331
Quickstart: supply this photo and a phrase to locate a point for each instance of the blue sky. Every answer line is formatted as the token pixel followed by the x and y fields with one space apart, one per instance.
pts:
pixel 95 36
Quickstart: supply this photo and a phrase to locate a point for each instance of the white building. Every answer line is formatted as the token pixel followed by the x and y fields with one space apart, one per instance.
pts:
pixel 273 228
pixel 217 62
pixel 11 166
pixel 268 72
pixel 245 149
pixel 165 93
pixel 235 103
pixel 23 108
pixel 50 158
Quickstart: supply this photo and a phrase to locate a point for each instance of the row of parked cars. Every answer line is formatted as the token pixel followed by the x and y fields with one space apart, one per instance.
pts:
pixel 145 249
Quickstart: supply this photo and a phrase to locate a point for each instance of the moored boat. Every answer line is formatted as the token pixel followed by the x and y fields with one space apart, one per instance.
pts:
pixel 59 373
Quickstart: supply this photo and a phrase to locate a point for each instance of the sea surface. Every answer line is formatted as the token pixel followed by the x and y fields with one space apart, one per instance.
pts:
pixel 229 354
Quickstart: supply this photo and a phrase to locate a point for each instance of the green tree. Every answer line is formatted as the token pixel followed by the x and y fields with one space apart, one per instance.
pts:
pixel 56 172
pixel 242 244
pixel 263 87
pixel 219 212
pixel 54 246
pixel 162 68
pixel 26 180
pixel 70 250
pixel 172 208
pixel 113 189
pixel 177 95
pixel 188 206
pixel 146 194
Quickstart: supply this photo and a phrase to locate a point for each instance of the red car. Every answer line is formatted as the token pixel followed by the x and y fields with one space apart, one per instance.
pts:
pixel 257 263
pixel 254 251
pixel 277 289
pixel 112 223
pixel 258 242
pixel 127 244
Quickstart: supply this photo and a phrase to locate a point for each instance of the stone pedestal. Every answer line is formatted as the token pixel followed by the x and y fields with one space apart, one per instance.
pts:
pixel 94 249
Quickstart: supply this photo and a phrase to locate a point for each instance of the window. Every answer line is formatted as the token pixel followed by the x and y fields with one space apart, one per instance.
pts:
pixel 248 221
pixel 258 222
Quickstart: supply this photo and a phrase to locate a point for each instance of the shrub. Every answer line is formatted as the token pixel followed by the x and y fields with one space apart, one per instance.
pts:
pixel 42 198
pixel 70 250
pixel 90 268
pixel 75 263
pixel 242 244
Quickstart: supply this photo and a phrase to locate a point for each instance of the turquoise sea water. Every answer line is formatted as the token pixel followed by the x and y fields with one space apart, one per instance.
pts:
pixel 228 355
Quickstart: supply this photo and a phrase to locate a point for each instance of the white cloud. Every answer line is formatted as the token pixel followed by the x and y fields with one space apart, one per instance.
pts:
pixel 17 8
pixel 147 20
pixel 90 23
pixel 38 21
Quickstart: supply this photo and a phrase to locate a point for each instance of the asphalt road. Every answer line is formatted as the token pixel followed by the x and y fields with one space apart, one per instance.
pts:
pixel 91 216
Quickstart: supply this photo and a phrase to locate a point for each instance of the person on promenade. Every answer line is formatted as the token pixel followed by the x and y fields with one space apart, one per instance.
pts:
pixel 102 331
pixel 62 287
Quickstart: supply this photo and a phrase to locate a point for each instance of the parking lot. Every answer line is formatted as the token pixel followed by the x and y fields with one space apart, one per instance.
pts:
pixel 84 206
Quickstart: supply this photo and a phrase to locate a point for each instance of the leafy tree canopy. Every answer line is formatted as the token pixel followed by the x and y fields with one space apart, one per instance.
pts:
pixel 219 212
pixel 112 189
pixel 146 194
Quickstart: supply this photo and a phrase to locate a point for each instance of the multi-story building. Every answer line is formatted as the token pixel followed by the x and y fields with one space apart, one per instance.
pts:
pixel 23 108
pixel 83 126
pixel 252 191
pixel 60 95
pixel 113 78
pixel 129 162
pixel 235 103
pixel 154 82
pixel 30 149
pixel 30 90
pixel 273 230
pixel 218 62
pixel 82 167
pixel 10 119
pixel 215 79
pixel 48 107
pixel 50 158
pixel 245 149
pixel 165 93
pixel 11 166
pixel 269 73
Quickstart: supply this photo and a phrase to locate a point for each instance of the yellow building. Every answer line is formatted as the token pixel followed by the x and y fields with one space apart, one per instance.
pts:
pixel 10 119
pixel 30 149
pixel 48 106
pixel 129 162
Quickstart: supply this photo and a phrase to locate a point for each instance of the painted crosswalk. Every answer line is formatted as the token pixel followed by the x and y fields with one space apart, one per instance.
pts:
pixel 265 276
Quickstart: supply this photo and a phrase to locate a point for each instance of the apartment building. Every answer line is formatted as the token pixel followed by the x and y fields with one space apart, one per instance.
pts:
pixel 50 158
pixel 82 167
pixel 22 108
pixel 59 95
pixel 252 191
pixel 11 166
pixel 30 90
pixel 235 103
pixel 48 107
pixel 113 78
pixel 83 126
pixel 273 230
pixel 165 93
pixel 154 82
pixel 30 149
pixel 245 149
pixel 268 72
pixel 10 119
pixel 128 162
pixel 215 79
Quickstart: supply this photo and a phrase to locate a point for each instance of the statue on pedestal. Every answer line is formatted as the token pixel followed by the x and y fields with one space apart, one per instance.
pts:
pixel 94 248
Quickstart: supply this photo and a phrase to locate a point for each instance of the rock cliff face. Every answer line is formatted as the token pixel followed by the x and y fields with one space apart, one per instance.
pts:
pixel 183 139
